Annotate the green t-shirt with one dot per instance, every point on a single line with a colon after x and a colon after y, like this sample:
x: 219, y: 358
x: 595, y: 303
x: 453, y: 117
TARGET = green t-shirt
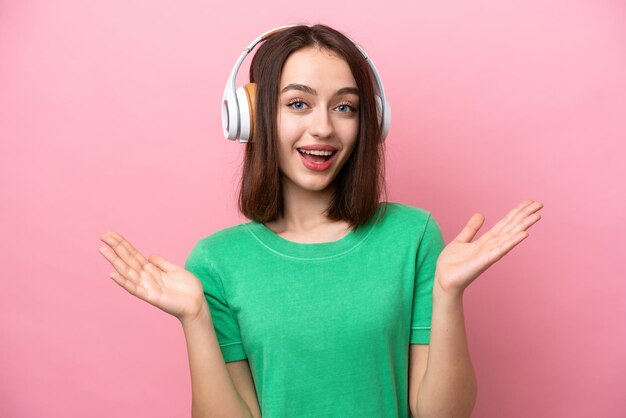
x: 325, y: 327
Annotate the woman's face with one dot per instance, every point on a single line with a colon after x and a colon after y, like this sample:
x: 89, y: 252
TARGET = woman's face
x: 317, y: 109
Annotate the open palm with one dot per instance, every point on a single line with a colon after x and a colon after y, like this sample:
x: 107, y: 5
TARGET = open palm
x: 462, y: 261
x: 157, y: 281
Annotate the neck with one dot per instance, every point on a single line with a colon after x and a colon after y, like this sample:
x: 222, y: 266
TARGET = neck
x: 304, y: 209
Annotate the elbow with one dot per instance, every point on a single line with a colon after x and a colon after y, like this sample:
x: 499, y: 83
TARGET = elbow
x: 469, y: 401
x: 461, y: 407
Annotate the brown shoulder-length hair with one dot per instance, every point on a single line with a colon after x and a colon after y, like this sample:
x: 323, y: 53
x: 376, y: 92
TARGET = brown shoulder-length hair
x: 360, y: 181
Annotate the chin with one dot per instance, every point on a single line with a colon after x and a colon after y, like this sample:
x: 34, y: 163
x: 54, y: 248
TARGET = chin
x: 313, y: 182
x: 316, y: 185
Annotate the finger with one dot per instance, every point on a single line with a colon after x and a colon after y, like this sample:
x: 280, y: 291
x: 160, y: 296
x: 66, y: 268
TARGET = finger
x: 507, y: 218
x: 526, y: 223
x: 523, y: 219
x: 527, y: 211
x: 472, y: 227
x: 124, y: 250
x: 119, y: 264
x: 162, y: 263
x: 155, y: 272
x: 505, y: 222
x: 129, y: 285
x: 508, y: 245
x: 131, y: 249
x: 127, y: 251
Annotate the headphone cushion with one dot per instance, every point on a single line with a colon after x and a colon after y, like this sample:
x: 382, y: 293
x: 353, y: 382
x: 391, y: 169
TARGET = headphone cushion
x: 250, y: 89
x: 245, y: 102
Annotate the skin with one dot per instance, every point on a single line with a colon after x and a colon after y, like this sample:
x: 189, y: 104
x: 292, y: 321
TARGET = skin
x: 443, y: 382
x: 306, y: 118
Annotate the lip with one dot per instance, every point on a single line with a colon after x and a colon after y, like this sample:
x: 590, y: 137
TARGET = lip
x: 320, y: 147
x: 317, y: 166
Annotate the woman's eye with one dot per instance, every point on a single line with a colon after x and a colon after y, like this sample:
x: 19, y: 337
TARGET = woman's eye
x: 297, y: 105
x: 301, y: 105
x: 345, y: 108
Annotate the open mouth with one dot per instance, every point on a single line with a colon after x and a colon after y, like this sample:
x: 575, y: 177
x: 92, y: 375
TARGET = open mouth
x: 317, y: 156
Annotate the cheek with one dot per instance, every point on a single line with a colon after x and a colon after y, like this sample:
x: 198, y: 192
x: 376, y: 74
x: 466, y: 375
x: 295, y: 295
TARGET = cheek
x: 349, y: 129
x: 287, y: 136
x: 289, y: 126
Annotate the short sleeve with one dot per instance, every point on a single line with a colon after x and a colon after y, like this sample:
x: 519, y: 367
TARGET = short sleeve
x: 226, y: 326
x: 428, y: 251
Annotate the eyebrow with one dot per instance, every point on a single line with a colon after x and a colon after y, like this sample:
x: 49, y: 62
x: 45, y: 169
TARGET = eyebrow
x: 307, y: 89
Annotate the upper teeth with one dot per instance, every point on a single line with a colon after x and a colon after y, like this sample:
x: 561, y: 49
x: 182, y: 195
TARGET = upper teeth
x: 317, y: 152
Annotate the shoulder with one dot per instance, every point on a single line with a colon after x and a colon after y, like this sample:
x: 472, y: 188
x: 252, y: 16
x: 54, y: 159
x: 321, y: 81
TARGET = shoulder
x: 223, y: 241
x: 226, y: 235
x: 402, y: 212
x: 404, y: 218
x: 403, y: 209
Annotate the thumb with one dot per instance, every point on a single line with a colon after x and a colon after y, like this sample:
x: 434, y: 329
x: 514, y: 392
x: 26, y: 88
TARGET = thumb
x: 472, y: 227
x: 162, y: 263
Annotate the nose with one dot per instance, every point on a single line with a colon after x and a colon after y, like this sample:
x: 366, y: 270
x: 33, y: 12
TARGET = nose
x: 321, y: 123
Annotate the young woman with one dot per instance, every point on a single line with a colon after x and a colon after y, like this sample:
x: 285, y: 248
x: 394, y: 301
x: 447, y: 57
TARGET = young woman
x: 329, y: 302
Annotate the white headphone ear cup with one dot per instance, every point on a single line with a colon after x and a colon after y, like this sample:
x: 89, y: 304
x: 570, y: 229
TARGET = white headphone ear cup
x: 244, y: 115
x: 230, y: 115
x: 225, y: 121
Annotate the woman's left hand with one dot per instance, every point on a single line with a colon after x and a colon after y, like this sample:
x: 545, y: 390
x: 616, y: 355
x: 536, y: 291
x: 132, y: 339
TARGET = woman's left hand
x: 462, y: 261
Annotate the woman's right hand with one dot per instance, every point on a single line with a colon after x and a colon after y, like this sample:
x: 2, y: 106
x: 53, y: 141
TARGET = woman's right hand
x: 157, y: 281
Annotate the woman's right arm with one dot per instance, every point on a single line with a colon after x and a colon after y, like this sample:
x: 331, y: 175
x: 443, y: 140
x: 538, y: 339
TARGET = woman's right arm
x: 178, y: 292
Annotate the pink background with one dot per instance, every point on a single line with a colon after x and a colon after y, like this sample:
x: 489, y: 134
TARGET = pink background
x: 110, y: 119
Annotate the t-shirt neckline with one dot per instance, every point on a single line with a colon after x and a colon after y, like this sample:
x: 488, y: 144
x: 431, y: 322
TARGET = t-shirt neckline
x: 311, y: 251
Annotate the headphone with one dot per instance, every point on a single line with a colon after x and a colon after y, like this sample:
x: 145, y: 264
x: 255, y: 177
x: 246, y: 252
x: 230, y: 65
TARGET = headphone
x: 238, y: 105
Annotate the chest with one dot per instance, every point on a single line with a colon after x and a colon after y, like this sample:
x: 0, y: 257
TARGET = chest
x: 321, y: 306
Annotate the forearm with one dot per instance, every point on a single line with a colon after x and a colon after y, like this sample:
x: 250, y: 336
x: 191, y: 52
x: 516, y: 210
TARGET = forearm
x: 449, y: 386
x: 213, y: 392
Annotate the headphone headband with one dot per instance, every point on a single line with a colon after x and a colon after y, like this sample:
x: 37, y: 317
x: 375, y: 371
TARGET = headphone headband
x: 238, y: 105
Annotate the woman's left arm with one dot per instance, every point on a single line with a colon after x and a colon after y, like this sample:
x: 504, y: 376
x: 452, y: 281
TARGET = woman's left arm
x: 449, y: 388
